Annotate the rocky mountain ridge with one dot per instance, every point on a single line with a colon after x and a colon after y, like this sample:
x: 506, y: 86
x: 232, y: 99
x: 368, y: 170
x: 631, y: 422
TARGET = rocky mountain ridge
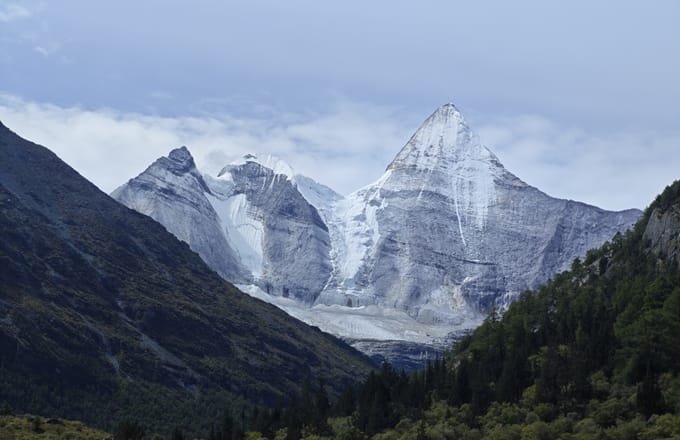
x: 444, y: 236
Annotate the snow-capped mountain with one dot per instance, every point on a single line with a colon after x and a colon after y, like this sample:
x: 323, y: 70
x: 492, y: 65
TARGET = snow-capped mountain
x: 447, y: 231
x: 250, y: 222
x: 172, y: 192
x: 443, y: 236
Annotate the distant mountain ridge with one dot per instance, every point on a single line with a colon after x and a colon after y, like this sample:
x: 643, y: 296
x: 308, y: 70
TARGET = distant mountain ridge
x: 445, y: 235
x: 106, y: 315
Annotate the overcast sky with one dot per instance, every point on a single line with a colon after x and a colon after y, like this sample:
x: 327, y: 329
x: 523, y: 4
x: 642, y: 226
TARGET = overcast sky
x: 580, y: 99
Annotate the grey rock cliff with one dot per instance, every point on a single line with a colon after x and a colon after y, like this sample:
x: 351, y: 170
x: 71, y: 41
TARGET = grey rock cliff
x: 663, y: 233
x: 172, y: 192
x: 250, y: 223
x: 267, y: 218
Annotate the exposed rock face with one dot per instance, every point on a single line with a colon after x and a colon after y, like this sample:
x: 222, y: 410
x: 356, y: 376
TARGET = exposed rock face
x: 250, y: 223
x: 172, y: 192
x: 443, y: 236
x: 403, y: 355
x: 280, y: 237
x: 663, y: 233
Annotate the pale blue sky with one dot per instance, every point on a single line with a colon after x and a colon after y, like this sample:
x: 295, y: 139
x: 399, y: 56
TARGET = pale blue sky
x: 569, y: 95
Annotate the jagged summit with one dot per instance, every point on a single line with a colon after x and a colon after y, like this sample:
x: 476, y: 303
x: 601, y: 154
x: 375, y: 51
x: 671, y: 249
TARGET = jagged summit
x: 444, y: 137
x: 444, y: 156
x: 446, y: 112
x: 178, y: 162
x: 447, y: 231
x: 182, y: 156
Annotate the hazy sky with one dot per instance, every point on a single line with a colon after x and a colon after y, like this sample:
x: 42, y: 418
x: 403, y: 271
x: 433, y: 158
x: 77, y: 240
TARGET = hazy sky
x: 580, y: 99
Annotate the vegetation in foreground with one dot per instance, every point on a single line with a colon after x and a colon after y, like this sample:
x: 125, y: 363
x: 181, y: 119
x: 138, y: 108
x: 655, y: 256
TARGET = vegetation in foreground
x: 34, y: 427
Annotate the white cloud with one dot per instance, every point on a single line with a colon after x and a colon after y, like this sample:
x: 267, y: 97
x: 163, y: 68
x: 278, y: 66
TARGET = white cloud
x: 47, y: 49
x: 616, y: 170
x: 13, y: 12
x: 42, y: 51
x: 349, y: 146
x: 345, y: 148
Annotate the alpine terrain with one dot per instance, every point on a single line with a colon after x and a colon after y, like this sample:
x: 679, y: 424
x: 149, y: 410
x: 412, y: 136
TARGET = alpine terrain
x: 105, y: 315
x: 423, y: 254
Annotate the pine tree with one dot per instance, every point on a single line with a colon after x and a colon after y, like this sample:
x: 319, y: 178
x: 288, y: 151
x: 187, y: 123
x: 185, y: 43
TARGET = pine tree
x: 346, y: 403
x: 129, y: 430
x: 177, y: 434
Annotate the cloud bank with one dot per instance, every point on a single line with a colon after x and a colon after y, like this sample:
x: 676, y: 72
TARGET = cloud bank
x: 349, y: 146
x: 345, y: 147
x: 612, y: 170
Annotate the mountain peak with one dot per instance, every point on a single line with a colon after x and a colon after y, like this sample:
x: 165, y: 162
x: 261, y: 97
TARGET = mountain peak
x: 448, y: 108
x: 443, y: 136
x: 446, y: 115
x: 5, y: 130
x: 182, y: 156
x: 179, y: 161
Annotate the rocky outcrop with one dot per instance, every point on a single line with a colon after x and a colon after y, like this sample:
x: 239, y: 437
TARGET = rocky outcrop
x: 663, y: 233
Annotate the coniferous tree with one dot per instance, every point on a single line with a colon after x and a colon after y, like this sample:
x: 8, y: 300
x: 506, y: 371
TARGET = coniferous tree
x: 177, y: 434
x: 227, y: 428
x: 129, y: 430
x: 346, y: 403
x: 649, y: 397
x: 462, y: 391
